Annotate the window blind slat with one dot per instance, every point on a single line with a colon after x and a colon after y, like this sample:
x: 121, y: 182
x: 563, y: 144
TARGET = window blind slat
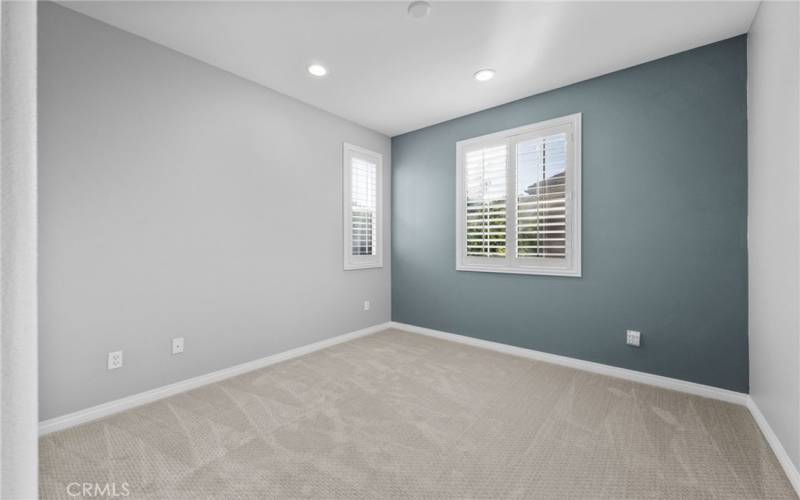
x: 541, y: 199
x: 363, y: 200
x: 485, y: 184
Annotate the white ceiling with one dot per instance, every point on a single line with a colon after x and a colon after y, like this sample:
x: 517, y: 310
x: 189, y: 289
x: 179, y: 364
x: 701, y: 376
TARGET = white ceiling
x: 393, y: 73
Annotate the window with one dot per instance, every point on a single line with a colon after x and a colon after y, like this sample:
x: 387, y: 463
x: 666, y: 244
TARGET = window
x: 363, y: 234
x: 518, y: 196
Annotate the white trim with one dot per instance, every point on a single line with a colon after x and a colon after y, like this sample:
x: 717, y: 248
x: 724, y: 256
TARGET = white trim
x: 683, y: 386
x: 571, y: 265
x: 780, y: 453
x: 18, y: 246
x: 674, y: 384
x: 116, y: 406
x: 105, y: 409
x: 352, y: 262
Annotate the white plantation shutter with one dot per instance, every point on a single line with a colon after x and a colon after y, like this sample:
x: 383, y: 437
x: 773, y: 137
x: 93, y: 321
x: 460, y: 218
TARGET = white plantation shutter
x: 364, y: 206
x: 486, y: 201
x: 541, y: 200
x: 362, y: 201
x: 518, y: 200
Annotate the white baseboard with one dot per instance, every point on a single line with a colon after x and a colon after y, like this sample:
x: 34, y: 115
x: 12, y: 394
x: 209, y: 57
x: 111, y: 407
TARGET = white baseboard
x: 589, y: 366
x: 105, y: 409
x: 780, y: 452
x: 635, y: 376
x: 116, y: 406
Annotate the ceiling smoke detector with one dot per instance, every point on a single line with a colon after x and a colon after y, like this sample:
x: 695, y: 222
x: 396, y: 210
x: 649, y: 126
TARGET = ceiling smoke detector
x: 419, y: 9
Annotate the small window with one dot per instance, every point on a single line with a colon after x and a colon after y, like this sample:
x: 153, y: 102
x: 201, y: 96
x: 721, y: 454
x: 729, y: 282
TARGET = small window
x: 518, y: 196
x: 363, y: 232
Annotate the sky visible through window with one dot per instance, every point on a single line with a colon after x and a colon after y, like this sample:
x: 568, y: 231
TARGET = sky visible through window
x: 540, y: 159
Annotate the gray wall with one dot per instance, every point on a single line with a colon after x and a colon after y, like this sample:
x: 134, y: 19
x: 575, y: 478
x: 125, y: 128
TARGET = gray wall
x: 179, y: 200
x: 773, y: 54
x: 664, y: 225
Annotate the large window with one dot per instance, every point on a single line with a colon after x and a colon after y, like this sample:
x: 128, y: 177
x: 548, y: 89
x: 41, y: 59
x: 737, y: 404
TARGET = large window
x: 363, y: 238
x: 518, y: 195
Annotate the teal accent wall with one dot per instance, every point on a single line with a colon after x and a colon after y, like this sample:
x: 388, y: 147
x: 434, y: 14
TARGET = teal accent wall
x: 664, y: 224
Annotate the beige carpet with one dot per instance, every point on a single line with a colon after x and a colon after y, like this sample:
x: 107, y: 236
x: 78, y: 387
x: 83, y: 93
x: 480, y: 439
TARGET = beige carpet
x: 400, y: 415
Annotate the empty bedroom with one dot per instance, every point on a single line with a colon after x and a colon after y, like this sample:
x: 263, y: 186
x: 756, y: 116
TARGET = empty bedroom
x: 400, y: 249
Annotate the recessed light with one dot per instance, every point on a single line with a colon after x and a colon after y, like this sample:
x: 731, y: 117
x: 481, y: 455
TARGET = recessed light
x: 484, y: 75
x: 419, y: 9
x: 317, y: 70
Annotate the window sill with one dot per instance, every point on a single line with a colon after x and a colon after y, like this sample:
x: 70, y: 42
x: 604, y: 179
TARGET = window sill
x: 535, y: 271
x: 364, y: 265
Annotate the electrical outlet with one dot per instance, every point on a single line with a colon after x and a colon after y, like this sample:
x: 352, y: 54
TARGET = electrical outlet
x: 633, y: 338
x: 177, y: 345
x: 114, y: 360
x: 366, y: 305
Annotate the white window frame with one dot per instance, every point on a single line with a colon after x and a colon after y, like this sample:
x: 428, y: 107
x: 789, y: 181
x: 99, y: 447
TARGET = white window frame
x: 568, y: 266
x: 361, y: 261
